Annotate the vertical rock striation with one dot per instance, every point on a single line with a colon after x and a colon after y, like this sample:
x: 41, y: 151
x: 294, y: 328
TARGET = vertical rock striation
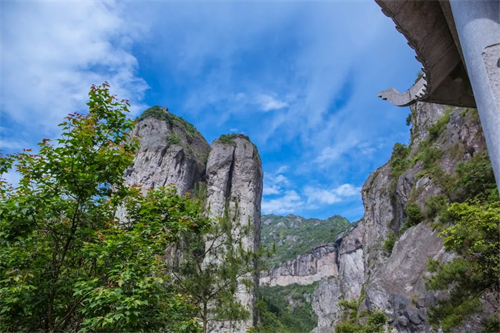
x: 346, y: 285
x: 234, y: 180
x: 394, y: 282
x: 173, y: 152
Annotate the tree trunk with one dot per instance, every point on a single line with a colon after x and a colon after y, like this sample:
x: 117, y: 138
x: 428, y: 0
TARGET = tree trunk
x: 205, y: 322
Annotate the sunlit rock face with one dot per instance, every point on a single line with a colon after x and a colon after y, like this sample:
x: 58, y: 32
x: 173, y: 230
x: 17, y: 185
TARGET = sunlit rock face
x: 234, y: 180
x: 395, y: 282
x: 319, y: 263
x: 346, y: 284
x: 173, y: 152
x: 168, y: 155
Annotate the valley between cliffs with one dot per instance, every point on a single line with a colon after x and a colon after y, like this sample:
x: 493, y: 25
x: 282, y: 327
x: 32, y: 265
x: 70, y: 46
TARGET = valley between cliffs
x: 381, y: 261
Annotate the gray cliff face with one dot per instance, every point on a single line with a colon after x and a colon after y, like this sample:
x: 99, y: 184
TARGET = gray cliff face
x: 346, y: 285
x: 398, y: 286
x: 395, y: 282
x: 167, y: 155
x: 319, y: 263
x: 234, y: 177
x: 234, y: 180
x: 173, y: 152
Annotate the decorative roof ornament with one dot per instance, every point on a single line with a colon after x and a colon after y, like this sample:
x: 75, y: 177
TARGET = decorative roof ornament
x: 458, y: 44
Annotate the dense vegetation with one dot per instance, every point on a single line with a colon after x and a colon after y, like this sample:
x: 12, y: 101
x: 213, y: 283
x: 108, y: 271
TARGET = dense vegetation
x: 228, y: 139
x: 163, y: 114
x: 286, y: 309
x: 294, y: 235
x: 355, y: 322
x: 80, y: 251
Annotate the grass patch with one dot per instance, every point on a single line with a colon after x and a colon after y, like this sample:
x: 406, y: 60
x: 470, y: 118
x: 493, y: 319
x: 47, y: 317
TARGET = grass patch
x: 434, y: 205
x: 173, y: 139
x: 399, y: 161
x: 428, y: 154
x: 436, y: 129
x: 160, y: 114
x: 389, y: 243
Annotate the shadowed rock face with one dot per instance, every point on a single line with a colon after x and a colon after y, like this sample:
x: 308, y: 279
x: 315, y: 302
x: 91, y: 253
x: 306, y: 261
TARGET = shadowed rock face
x: 395, y: 282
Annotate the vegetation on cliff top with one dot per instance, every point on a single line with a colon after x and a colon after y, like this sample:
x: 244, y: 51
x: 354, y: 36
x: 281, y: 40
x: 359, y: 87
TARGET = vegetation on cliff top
x: 228, y: 139
x: 165, y: 115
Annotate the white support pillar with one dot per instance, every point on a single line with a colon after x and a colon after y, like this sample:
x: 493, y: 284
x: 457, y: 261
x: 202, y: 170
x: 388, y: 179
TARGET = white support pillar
x: 478, y: 28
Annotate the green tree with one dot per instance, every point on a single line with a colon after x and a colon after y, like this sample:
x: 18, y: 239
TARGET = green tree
x: 66, y: 262
x: 215, y: 266
x: 475, y: 271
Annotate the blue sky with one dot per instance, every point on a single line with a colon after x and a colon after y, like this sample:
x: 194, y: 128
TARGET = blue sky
x: 299, y: 78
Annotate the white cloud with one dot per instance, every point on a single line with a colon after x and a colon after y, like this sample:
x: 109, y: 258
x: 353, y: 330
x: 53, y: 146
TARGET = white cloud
x: 13, y: 144
x: 332, y: 196
x: 282, y: 169
x: 275, y: 183
x: 269, y: 102
x: 52, y: 52
x: 270, y: 190
x: 286, y: 204
x: 347, y: 190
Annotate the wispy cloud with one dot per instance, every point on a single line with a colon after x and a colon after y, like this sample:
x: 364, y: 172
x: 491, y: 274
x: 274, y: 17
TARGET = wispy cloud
x: 274, y: 183
x: 270, y: 102
x: 290, y: 202
x: 52, y: 52
x: 13, y: 144
x: 332, y: 196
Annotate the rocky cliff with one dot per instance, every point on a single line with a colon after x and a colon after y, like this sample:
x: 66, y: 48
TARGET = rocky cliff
x: 234, y: 182
x: 312, y: 270
x: 307, y: 268
x: 386, y: 269
x: 173, y: 152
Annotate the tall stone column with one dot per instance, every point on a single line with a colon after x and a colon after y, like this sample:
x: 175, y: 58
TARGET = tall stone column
x: 234, y: 180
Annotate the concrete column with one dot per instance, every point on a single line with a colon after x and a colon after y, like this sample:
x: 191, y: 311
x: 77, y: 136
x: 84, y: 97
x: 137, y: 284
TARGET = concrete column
x: 478, y: 27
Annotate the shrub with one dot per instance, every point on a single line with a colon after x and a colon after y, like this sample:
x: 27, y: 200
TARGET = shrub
x: 413, y: 214
x: 390, y: 242
x: 428, y: 154
x: 434, y: 205
x: 474, y: 271
x: 399, y: 161
x: 476, y: 178
x: 436, y: 129
x: 173, y: 139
